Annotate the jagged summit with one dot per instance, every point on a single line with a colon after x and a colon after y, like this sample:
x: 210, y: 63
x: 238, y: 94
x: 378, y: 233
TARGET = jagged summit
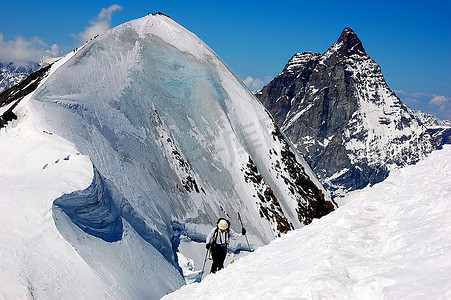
x: 348, y: 44
x: 339, y: 111
x: 351, y: 42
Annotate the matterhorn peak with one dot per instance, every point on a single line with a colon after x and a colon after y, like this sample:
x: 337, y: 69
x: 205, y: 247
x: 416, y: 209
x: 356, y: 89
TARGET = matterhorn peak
x: 338, y: 110
x: 348, y: 43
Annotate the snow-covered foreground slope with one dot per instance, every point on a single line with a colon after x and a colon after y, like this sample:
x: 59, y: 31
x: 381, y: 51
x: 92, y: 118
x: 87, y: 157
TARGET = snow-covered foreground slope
x: 31, y: 164
x: 393, y: 241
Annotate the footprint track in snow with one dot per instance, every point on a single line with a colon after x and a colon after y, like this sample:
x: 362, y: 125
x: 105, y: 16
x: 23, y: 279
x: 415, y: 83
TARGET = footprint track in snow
x: 66, y: 158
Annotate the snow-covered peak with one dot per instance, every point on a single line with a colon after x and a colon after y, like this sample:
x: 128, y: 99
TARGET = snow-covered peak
x: 176, y: 141
x: 440, y: 130
x: 10, y: 74
x: 391, y: 242
x: 347, y: 46
x: 160, y: 25
x: 340, y: 112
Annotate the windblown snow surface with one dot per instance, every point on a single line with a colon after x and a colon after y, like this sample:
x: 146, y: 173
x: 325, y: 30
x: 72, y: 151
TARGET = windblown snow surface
x: 390, y: 241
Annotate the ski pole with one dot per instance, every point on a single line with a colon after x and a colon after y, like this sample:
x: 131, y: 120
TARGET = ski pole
x: 203, y: 267
x: 224, y: 211
x: 239, y: 218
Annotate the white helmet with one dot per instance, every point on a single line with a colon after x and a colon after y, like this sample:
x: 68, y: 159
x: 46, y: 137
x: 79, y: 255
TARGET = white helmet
x: 223, y: 224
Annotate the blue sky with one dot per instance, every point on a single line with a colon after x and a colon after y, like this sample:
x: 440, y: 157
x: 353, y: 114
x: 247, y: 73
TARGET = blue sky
x: 411, y: 40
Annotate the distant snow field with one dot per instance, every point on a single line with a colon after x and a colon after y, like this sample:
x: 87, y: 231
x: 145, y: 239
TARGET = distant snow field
x: 391, y: 241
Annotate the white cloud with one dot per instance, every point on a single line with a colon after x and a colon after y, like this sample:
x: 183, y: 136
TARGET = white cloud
x: 100, y: 24
x: 22, y: 51
x: 443, y: 105
x: 256, y: 84
x: 105, y: 13
x: 55, y: 50
x: 253, y: 84
x: 438, y: 105
x: 439, y: 100
x: 411, y: 94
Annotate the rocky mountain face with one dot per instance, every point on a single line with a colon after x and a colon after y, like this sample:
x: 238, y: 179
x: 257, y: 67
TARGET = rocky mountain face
x: 10, y: 74
x: 338, y: 110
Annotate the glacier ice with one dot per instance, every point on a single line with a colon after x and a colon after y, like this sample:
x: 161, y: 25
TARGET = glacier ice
x: 93, y: 210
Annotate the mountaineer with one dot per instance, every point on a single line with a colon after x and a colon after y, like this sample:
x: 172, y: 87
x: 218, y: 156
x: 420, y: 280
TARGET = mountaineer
x: 218, y: 240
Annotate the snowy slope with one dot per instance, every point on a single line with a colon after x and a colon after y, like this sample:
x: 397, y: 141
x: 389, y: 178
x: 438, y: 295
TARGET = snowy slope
x: 391, y: 242
x: 142, y: 135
